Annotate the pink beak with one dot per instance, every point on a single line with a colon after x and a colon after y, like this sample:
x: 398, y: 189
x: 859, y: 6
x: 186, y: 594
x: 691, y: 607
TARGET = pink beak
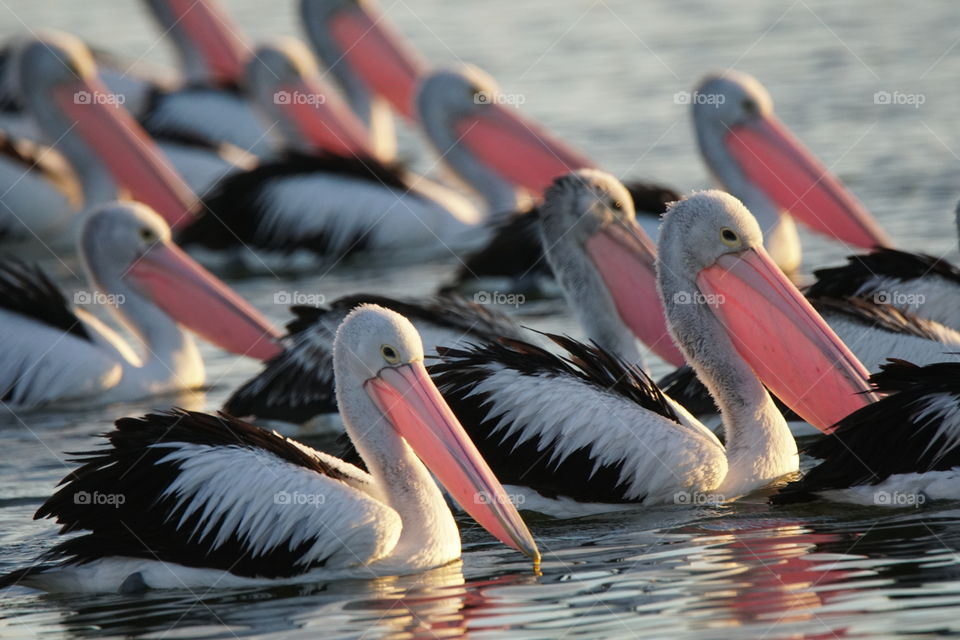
x: 626, y: 258
x: 410, y: 401
x: 215, y: 35
x: 379, y: 55
x: 131, y: 156
x: 520, y: 151
x: 324, y: 119
x: 780, y: 166
x: 199, y: 301
x: 789, y: 346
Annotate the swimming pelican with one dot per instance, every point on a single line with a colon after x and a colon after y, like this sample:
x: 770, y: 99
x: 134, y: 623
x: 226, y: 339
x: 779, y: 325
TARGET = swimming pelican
x: 757, y: 159
x: 213, y: 501
x: 52, y: 351
x: 587, y: 432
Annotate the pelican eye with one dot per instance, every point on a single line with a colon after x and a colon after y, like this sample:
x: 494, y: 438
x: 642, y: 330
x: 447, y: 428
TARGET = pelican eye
x: 389, y: 354
x: 147, y: 234
x: 617, y: 205
x: 749, y: 106
x: 729, y: 237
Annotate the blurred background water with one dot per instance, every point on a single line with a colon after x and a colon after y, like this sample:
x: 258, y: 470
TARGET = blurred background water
x: 604, y: 76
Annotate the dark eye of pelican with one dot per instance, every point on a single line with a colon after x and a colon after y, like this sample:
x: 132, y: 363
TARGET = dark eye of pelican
x: 147, y: 235
x: 389, y: 354
x: 617, y: 205
x: 749, y: 106
x: 729, y: 237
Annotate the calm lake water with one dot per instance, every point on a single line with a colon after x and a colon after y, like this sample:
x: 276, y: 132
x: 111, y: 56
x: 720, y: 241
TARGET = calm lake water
x: 604, y: 76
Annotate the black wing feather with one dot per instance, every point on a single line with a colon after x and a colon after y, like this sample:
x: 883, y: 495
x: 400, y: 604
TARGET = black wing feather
x: 578, y: 476
x: 232, y: 209
x: 26, y: 290
x: 872, y: 314
x: 894, y: 435
x: 145, y: 525
x: 848, y: 279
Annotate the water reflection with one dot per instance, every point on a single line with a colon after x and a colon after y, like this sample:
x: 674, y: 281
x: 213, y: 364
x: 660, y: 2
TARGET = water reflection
x: 709, y: 573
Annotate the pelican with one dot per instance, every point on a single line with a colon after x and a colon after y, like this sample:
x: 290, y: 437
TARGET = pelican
x: 758, y: 160
x: 213, y: 501
x: 901, y: 451
x: 77, y: 114
x: 586, y: 432
x: 53, y: 353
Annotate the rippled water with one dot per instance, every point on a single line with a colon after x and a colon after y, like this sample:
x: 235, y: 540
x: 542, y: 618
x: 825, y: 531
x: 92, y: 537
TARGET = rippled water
x: 603, y: 75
